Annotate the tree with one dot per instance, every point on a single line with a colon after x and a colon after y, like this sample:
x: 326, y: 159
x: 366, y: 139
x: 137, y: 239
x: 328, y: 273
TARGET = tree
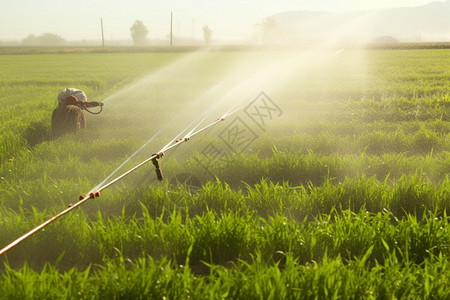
x: 207, y: 33
x: 45, y: 39
x: 30, y: 40
x: 139, y: 33
x: 51, y: 39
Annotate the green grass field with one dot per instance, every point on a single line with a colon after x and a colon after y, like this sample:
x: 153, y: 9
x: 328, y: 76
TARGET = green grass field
x: 341, y: 193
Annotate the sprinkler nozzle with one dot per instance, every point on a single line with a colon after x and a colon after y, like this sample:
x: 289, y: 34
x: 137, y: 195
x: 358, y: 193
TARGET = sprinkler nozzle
x: 94, y: 195
x: 91, y: 195
x: 185, y: 139
x: 158, y: 155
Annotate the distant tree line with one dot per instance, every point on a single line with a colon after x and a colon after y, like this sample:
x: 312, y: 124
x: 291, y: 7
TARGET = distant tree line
x: 45, y: 39
x: 139, y: 33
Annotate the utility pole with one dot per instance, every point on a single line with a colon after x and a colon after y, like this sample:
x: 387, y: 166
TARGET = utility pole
x: 171, y: 21
x: 103, y: 37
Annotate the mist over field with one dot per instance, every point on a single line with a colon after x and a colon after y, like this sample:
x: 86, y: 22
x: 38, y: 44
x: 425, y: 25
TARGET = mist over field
x: 288, y: 150
x: 427, y: 23
x: 234, y: 22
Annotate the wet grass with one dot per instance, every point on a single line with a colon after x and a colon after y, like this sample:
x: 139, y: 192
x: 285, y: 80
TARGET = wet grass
x: 377, y: 254
x: 345, y: 196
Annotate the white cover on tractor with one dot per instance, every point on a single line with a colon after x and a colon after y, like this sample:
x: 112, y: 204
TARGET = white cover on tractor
x: 79, y: 94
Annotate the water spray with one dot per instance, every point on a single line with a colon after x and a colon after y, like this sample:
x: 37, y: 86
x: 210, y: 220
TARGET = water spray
x: 256, y: 80
x: 97, y: 192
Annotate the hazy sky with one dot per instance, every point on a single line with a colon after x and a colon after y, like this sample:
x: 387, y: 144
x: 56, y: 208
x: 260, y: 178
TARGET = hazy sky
x: 229, y: 19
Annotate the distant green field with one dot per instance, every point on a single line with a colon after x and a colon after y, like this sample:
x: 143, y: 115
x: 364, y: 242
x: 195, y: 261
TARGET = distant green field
x: 342, y: 192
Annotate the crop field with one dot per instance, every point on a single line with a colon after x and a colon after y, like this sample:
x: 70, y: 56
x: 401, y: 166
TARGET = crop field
x: 328, y: 178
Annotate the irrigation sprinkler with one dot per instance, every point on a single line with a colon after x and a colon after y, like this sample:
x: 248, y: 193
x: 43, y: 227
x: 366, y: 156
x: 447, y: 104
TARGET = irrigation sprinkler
x: 155, y: 162
x: 154, y: 158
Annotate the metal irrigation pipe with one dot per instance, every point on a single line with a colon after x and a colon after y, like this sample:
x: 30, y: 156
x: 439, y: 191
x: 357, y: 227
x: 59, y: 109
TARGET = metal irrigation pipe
x: 96, y: 193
